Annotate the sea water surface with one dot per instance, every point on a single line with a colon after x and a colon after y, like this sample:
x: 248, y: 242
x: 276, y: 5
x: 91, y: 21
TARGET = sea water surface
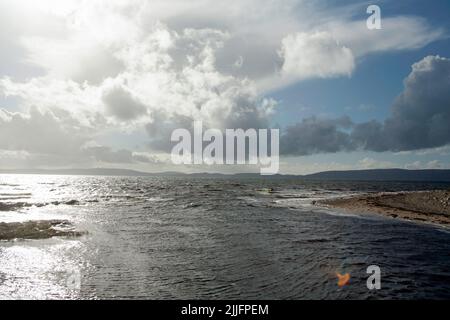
x: 213, y: 238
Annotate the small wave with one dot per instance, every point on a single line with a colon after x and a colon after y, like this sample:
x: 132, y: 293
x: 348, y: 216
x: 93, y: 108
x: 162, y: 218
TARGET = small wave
x: 13, y: 206
x: 9, y: 185
x: 266, y: 190
x: 12, y: 198
x: 313, y: 240
x: 72, y: 202
x: 336, y: 213
x: 255, y: 202
x: 295, y: 203
x: 158, y: 199
x: 192, y: 205
x: 306, y: 200
x: 291, y: 196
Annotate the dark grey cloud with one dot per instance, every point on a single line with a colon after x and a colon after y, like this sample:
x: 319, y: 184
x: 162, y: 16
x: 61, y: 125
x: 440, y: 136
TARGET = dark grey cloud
x: 57, y: 138
x: 420, y: 116
x: 42, y: 132
x: 121, y: 104
x: 370, y: 136
x: 314, y: 135
x: 161, y: 128
x: 419, y: 119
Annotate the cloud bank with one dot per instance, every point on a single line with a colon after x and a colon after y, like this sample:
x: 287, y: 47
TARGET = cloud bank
x: 419, y: 119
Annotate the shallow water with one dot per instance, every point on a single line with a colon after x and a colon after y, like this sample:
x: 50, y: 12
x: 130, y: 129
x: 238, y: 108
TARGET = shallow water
x: 192, y: 238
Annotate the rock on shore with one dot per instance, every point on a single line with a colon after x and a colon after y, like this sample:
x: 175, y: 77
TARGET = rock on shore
x: 41, y: 229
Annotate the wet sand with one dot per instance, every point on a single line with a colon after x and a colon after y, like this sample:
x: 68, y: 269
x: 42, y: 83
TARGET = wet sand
x: 41, y: 229
x: 425, y: 206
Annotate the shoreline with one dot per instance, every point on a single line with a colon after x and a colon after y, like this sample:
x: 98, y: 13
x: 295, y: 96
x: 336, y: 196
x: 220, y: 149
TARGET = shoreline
x: 418, y: 206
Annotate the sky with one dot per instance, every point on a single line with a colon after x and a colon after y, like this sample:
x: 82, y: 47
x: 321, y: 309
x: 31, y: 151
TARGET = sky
x: 103, y: 83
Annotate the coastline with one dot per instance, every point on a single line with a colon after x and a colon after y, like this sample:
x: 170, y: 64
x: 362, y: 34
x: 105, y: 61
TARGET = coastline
x: 418, y: 206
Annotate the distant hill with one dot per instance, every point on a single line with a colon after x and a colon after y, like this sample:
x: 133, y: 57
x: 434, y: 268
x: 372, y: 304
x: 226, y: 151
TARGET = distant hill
x: 351, y: 175
x: 383, y: 175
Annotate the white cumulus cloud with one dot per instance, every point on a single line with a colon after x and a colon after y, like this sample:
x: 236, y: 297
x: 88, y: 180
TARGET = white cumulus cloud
x: 315, y: 55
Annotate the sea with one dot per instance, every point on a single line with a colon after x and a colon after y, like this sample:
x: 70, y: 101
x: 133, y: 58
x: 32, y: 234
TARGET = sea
x: 183, y: 237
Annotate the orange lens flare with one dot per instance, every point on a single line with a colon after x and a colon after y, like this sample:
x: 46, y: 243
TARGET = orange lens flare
x: 343, y: 279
